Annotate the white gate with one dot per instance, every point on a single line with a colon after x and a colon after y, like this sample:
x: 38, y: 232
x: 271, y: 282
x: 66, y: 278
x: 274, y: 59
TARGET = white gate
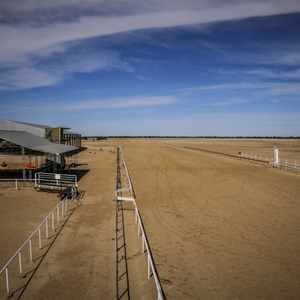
x: 54, y: 181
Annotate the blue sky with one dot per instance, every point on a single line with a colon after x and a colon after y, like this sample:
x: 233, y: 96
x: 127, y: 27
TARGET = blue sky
x: 152, y: 67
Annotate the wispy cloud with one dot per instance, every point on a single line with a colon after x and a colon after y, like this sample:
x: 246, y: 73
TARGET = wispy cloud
x: 101, y: 104
x: 42, y: 37
x: 23, y: 78
x: 232, y: 94
x: 289, y: 57
x: 271, y: 73
x: 229, y: 102
x: 32, y: 72
x: 119, y: 103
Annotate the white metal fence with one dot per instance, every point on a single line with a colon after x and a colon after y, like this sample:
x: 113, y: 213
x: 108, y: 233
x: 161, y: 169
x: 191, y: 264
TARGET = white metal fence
x: 54, y: 181
x: 16, y: 184
x: 283, y: 165
x: 42, y: 232
x: 288, y: 166
x: 141, y: 229
x: 253, y: 158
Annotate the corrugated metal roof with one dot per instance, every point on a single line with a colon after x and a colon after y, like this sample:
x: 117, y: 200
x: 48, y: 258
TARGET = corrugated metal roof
x: 33, y: 142
x: 31, y: 124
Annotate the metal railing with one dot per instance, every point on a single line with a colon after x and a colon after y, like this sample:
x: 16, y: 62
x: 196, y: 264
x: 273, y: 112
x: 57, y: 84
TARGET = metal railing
x: 48, y: 225
x: 288, y: 166
x: 141, y: 229
x: 258, y: 159
x: 16, y: 184
x: 54, y: 181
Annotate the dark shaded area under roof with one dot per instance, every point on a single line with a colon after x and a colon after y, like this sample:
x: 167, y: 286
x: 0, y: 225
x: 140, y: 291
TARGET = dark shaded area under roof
x: 33, y: 142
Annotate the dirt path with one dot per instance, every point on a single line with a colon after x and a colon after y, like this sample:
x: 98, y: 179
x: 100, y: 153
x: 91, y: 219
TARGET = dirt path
x: 219, y: 229
x: 81, y: 263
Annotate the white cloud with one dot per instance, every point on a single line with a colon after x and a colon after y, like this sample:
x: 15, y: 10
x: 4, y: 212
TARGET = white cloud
x: 26, y: 42
x: 25, y: 39
x: 229, y: 102
x: 100, y: 105
x: 271, y: 73
x: 86, y: 62
x: 119, y: 103
x: 28, y: 73
x: 24, y: 78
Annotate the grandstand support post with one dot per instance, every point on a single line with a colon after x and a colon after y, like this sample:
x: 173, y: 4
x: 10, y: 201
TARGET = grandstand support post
x: 23, y: 162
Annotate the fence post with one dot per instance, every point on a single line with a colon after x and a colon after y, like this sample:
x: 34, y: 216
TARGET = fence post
x: 57, y: 210
x: 40, y: 239
x: 30, y: 250
x: 149, y: 273
x: 20, y: 262
x: 53, y: 229
x: 47, y: 234
x: 7, y: 280
x: 62, y: 207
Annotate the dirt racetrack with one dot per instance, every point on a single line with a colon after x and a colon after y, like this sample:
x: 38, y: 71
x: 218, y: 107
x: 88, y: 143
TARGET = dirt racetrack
x: 218, y: 228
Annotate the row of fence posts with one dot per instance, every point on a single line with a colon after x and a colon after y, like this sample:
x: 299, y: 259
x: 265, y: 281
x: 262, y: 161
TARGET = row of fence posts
x: 49, y: 223
x: 291, y: 167
x: 284, y: 165
x: 141, y: 230
x: 16, y: 184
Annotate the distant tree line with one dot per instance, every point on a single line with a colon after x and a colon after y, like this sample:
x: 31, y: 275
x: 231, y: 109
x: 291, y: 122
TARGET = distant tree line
x: 189, y: 137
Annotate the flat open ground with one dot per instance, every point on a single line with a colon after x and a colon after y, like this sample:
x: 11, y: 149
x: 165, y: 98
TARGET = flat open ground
x: 218, y: 228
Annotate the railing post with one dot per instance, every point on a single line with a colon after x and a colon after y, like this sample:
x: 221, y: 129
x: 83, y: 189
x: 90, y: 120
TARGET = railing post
x: 57, y: 210
x: 30, y: 250
x: 47, y: 233
x: 149, y: 273
x: 16, y: 184
x: 20, y: 263
x: 53, y: 228
x: 62, y: 207
x: 40, y: 239
x: 7, y: 280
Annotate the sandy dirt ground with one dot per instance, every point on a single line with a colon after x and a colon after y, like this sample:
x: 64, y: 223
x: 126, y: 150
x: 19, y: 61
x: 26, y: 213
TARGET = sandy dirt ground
x: 218, y: 228
x: 81, y: 262
x: 289, y: 149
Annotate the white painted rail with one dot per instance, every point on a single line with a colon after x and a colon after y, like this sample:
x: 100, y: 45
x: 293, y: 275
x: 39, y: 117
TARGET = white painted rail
x: 250, y: 157
x: 141, y: 230
x: 50, y: 223
x: 54, y: 181
x: 16, y: 184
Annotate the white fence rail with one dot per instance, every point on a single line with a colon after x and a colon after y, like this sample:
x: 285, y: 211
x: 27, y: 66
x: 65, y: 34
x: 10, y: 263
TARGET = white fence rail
x: 16, y: 184
x: 48, y: 226
x: 141, y: 229
x: 288, y: 166
x: 54, y: 181
x: 283, y: 165
x: 253, y: 158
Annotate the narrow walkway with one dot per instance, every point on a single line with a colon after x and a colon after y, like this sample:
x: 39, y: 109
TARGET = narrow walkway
x: 81, y: 263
